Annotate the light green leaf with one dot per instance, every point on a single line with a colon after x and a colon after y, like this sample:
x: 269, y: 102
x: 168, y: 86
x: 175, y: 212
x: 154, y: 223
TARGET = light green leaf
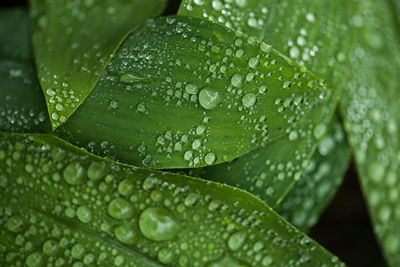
x: 309, y: 32
x: 184, y: 92
x: 371, y: 113
x: 22, y: 105
x: 74, y: 40
x: 60, y: 204
x: 319, y: 182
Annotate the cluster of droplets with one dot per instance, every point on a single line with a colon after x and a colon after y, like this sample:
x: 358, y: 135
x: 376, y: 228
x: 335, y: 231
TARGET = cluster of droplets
x: 314, y: 189
x: 176, y: 81
x: 63, y: 208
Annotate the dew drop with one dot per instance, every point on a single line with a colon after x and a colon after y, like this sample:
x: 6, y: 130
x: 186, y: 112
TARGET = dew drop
x: 120, y: 209
x: 236, y: 80
x: 158, y: 224
x: 210, y: 158
x: 84, y: 214
x: 74, y: 173
x: 209, y: 98
x: 96, y: 170
x: 126, y: 234
x: 236, y: 240
x: 249, y: 100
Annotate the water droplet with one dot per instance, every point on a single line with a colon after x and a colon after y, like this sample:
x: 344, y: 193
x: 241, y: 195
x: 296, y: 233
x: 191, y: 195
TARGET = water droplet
x: 96, y: 170
x: 126, y: 234
x: 376, y: 171
x: 319, y: 130
x: 84, y: 214
x: 294, y: 52
x: 126, y: 187
x: 188, y: 155
x: 293, y: 135
x: 210, y: 158
x: 35, y: 260
x: 236, y: 80
x: 209, y: 98
x: 236, y: 240
x: 120, y: 209
x: 241, y: 3
x: 78, y: 251
x: 226, y: 261
x: 191, y: 89
x: 158, y: 224
x: 196, y: 144
x: 253, y: 62
x: 74, y: 173
x: 249, y: 100
x: 165, y: 255
x: 50, y: 247
x: 14, y: 224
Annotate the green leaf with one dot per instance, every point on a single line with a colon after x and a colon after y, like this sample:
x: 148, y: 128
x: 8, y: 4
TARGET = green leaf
x: 22, y: 105
x: 14, y: 35
x: 270, y: 172
x: 73, y: 42
x: 184, y: 92
x: 307, y: 31
x: 319, y: 182
x: 370, y: 108
x: 61, y: 205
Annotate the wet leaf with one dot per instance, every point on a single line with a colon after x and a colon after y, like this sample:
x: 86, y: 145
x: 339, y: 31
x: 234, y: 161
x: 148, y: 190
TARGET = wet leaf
x: 270, y: 172
x: 184, y: 92
x: 74, y: 40
x: 22, y: 105
x: 308, y: 32
x: 61, y: 205
x: 310, y: 195
x: 370, y: 108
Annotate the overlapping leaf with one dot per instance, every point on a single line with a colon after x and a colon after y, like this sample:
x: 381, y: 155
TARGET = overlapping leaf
x: 370, y: 108
x: 319, y: 182
x: 22, y: 105
x: 73, y: 42
x: 63, y: 206
x: 309, y: 32
x: 184, y: 92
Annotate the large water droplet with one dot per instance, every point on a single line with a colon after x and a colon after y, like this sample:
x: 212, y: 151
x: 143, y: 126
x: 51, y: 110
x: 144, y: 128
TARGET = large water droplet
x: 74, y: 173
x: 126, y: 234
x: 249, y: 100
x: 236, y: 240
x: 120, y: 209
x: 158, y: 224
x: 209, y: 98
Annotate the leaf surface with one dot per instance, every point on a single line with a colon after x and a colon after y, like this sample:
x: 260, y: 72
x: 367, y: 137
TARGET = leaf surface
x: 74, y: 40
x: 185, y: 92
x: 320, y: 180
x: 60, y: 204
x: 370, y: 109
x: 22, y: 105
x: 307, y: 31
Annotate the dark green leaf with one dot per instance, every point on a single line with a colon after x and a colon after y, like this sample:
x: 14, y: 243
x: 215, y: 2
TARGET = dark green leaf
x: 184, y: 92
x: 74, y: 40
x: 61, y: 205
x: 371, y: 111
x: 22, y: 105
x: 319, y: 182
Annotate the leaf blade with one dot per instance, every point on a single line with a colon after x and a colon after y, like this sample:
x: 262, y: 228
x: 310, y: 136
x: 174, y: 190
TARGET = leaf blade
x: 28, y: 179
x: 164, y: 120
x: 74, y: 41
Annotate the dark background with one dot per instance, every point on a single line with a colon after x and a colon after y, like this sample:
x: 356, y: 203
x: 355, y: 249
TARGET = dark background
x: 344, y: 228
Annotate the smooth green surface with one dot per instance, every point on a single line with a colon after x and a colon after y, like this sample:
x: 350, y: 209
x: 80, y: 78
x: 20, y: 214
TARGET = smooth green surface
x: 310, y: 33
x: 371, y: 111
x: 319, y: 182
x: 187, y: 97
x: 173, y: 220
x: 22, y: 104
x: 73, y: 42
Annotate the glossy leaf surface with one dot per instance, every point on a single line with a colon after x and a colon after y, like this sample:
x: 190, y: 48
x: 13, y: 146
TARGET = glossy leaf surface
x: 61, y: 205
x: 74, y: 40
x: 184, y: 92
